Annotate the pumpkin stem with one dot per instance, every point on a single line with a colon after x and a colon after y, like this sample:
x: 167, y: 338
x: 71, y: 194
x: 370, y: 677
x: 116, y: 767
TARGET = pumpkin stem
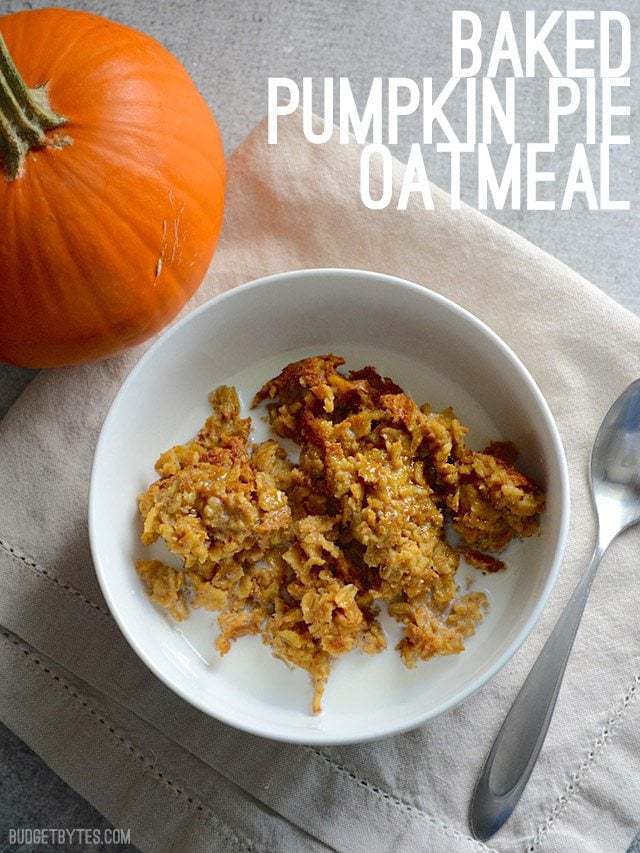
x: 25, y: 116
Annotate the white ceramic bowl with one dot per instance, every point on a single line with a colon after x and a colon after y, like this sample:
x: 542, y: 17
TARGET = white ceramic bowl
x: 437, y: 352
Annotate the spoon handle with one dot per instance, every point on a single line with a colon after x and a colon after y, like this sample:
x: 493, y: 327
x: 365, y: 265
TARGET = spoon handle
x: 519, y: 741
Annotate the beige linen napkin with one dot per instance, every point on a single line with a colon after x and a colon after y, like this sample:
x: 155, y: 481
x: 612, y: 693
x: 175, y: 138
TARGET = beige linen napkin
x: 72, y: 688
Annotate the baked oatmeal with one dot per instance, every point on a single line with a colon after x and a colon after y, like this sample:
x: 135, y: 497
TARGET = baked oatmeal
x: 307, y: 554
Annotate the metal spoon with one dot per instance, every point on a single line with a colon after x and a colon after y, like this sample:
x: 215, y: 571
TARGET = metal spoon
x: 615, y: 489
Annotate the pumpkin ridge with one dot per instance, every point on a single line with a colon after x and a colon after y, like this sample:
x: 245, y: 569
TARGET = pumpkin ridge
x: 170, y: 280
x: 202, y: 200
x: 61, y: 56
x: 9, y: 226
x: 100, y: 194
x: 135, y: 131
x: 54, y: 218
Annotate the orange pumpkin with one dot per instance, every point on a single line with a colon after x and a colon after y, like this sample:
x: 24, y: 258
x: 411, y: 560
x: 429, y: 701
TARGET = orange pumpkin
x: 111, y: 187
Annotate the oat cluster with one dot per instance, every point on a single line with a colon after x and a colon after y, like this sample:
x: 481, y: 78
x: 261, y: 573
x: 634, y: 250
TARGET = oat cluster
x: 306, y: 554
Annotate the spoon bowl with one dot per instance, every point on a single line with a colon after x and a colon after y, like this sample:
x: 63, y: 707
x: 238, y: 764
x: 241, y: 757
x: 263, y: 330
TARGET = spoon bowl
x: 615, y: 464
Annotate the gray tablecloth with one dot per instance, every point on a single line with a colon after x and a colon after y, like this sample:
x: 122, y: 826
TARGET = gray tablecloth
x: 71, y: 687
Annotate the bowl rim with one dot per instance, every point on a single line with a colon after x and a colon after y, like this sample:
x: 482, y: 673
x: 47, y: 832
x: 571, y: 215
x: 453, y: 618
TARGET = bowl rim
x: 387, y: 729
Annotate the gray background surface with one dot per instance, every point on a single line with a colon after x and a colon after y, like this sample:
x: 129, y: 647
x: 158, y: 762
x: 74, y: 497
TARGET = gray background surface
x: 231, y: 47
